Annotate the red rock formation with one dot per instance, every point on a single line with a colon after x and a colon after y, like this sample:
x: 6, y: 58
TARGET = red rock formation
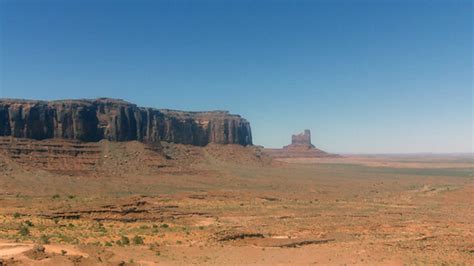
x: 300, y: 147
x: 302, y: 140
x: 117, y: 120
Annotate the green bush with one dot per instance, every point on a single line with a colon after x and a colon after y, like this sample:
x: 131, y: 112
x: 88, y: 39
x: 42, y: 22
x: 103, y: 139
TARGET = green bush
x: 24, y: 231
x: 125, y: 240
x: 137, y: 240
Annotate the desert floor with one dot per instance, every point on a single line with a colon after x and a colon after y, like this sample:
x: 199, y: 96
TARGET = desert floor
x: 378, y: 210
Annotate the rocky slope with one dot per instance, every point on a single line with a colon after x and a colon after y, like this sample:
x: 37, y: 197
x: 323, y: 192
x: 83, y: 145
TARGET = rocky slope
x: 117, y: 120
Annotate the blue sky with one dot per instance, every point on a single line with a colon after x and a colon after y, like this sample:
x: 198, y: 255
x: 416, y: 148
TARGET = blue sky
x: 364, y: 76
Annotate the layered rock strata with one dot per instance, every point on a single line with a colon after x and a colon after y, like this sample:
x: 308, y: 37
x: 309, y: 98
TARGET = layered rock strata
x: 117, y: 120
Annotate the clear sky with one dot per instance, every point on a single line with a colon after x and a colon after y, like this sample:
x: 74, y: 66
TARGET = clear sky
x: 364, y: 76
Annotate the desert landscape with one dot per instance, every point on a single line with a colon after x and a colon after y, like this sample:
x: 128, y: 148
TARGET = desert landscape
x: 104, y: 182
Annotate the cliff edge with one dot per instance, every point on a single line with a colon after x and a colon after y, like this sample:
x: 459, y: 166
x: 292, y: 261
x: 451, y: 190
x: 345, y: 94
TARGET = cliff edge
x: 117, y: 120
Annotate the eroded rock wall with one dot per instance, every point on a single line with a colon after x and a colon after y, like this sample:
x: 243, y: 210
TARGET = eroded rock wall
x: 116, y: 120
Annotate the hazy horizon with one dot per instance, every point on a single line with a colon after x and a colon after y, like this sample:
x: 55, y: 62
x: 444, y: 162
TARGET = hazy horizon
x: 365, y: 77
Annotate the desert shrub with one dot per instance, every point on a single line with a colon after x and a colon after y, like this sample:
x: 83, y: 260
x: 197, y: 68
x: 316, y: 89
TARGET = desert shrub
x: 28, y: 223
x: 125, y: 240
x: 55, y: 196
x: 24, y: 231
x: 66, y: 238
x: 165, y: 226
x: 101, y: 228
x: 44, y: 239
x: 16, y: 215
x: 96, y: 243
x: 137, y: 240
x: 108, y: 244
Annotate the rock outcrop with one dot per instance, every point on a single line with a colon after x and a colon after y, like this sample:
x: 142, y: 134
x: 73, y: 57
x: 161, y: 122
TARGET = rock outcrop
x: 302, y: 140
x: 117, y: 120
x: 300, y: 147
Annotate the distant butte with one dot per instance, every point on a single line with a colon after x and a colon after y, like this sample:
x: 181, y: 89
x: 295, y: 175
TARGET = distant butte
x: 300, y: 147
x: 301, y: 141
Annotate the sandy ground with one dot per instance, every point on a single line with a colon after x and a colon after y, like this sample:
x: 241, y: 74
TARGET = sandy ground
x: 230, y: 210
x: 400, y: 161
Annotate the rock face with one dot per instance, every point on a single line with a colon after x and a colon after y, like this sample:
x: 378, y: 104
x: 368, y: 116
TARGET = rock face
x: 302, y: 140
x: 300, y: 147
x: 117, y: 120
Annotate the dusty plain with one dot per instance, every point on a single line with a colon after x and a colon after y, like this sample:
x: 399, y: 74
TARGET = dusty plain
x: 127, y: 204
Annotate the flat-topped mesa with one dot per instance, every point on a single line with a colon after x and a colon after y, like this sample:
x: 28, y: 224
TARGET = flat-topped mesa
x: 118, y: 120
x: 302, y: 140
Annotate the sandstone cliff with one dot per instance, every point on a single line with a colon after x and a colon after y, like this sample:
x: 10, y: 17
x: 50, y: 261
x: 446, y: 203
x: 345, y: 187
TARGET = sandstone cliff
x: 117, y: 120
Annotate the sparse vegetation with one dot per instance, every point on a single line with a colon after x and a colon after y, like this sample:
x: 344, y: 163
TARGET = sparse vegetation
x: 24, y: 231
x: 310, y: 198
x: 137, y: 240
x: 124, y: 241
x: 28, y: 223
x: 44, y: 239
